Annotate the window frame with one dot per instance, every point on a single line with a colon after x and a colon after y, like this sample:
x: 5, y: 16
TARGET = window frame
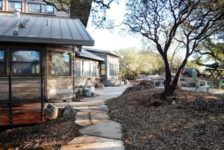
x: 14, y: 1
x: 51, y: 64
x: 46, y: 12
x: 3, y: 62
x: 25, y: 62
x: 32, y: 3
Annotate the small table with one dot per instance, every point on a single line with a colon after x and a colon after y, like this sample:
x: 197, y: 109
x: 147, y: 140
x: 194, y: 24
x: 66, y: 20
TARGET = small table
x: 215, y: 73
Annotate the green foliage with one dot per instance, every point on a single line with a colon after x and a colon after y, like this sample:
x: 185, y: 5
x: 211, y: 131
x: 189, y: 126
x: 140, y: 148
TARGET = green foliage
x: 134, y: 62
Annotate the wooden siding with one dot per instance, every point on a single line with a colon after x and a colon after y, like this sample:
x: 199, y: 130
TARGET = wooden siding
x: 21, y: 114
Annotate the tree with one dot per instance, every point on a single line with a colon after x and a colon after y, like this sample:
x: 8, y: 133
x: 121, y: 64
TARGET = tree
x: 135, y: 62
x: 81, y: 9
x: 209, y: 51
x: 163, y: 22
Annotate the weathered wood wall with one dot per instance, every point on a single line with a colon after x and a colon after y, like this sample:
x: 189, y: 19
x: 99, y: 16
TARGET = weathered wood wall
x: 59, y: 88
x: 21, y: 114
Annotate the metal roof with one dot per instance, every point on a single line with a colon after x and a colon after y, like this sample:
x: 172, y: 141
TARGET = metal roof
x: 41, y: 29
x: 89, y: 55
x: 102, y: 51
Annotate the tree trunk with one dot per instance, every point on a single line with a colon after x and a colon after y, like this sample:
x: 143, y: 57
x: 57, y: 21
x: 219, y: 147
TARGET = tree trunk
x: 170, y: 86
x: 81, y: 9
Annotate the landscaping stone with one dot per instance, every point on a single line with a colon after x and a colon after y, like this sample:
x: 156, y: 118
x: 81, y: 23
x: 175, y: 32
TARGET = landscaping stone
x: 107, y: 129
x: 51, y: 112
x: 94, y: 143
x: 83, y: 119
x: 68, y: 112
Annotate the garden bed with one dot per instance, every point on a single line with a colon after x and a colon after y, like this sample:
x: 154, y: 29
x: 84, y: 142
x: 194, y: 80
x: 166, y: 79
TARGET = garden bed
x: 187, y: 120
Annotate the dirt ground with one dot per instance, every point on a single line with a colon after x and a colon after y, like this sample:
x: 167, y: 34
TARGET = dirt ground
x: 47, y: 136
x: 186, y: 120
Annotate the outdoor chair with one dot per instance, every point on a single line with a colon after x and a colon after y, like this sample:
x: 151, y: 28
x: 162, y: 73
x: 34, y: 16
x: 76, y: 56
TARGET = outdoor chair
x: 221, y: 83
x: 201, y: 84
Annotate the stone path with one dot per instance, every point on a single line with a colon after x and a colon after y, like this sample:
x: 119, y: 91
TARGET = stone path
x: 98, y: 131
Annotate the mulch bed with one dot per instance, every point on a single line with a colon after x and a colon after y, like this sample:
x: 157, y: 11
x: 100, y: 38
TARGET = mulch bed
x: 47, y: 136
x: 187, y: 120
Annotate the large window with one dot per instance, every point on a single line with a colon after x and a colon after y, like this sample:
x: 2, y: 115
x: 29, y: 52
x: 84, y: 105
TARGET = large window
x: 34, y: 8
x: 47, y: 9
x: 113, y: 69
x: 86, y: 68
x: 13, y: 5
x: 60, y: 64
x: 26, y: 62
x: 2, y: 62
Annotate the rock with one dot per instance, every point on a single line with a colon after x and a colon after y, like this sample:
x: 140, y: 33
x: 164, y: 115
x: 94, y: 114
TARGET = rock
x: 51, y: 112
x: 83, y: 119
x: 68, y: 112
x: 93, y: 143
x: 107, y: 129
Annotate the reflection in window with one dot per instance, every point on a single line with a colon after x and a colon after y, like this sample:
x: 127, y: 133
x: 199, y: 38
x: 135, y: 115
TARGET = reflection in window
x: 47, y: 9
x: 15, y: 5
x: 103, y: 69
x: 86, y: 68
x: 113, y: 69
x: 60, y: 64
x: 26, y: 62
x: 34, y: 8
x: 2, y: 62
x: 0, y: 4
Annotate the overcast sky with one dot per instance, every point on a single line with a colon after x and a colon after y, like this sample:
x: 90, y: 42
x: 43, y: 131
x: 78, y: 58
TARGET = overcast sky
x: 114, y: 39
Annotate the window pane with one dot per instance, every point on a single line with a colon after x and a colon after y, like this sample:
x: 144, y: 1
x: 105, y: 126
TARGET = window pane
x: 26, y: 56
x: 86, y: 68
x: 2, y: 68
x: 34, y: 8
x: 2, y: 56
x: 15, y: 5
x: 26, y: 68
x: 61, y: 64
x: 78, y: 64
x: 48, y: 9
x: 0, y: 5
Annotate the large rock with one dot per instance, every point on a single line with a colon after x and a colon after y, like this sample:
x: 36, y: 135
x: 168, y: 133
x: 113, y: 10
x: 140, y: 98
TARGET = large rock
x: 51, y: 112
x: 107, y: 129
x: 93, y: 143
x: 68, y: 112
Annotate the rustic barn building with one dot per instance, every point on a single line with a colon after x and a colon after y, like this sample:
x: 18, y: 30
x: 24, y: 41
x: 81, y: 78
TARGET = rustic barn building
x: 37, y: 63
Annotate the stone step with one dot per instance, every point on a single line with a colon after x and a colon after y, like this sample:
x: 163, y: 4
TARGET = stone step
x: 93, y: 143
x: 107, y: 129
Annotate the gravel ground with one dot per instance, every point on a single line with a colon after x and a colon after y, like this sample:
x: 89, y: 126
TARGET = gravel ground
x: 185, y: 121
x: 47, y: 136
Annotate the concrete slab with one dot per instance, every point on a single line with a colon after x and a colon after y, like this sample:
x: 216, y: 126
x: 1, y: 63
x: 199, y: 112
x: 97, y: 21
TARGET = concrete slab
x: 79, y: 104
x: 107, y: 129
x: 93, y: 143
x: 83, y: 119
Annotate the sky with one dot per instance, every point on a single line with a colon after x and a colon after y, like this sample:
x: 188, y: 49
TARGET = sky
x: 115, y: 39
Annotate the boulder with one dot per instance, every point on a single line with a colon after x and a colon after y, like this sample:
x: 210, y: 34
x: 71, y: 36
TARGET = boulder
x: 51, y: 112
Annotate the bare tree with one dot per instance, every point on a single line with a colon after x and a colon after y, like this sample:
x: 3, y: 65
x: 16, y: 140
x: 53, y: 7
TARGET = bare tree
x: 81, y: 9
x: 164, y: 21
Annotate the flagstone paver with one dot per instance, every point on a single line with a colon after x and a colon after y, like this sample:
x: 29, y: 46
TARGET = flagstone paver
x: 98, y: 131
x: 107, y: 129
x: 94, y: 143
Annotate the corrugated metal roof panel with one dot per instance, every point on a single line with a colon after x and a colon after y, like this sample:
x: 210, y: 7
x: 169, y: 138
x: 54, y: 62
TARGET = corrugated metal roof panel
x: 90, y: 55
x: 45, y: 30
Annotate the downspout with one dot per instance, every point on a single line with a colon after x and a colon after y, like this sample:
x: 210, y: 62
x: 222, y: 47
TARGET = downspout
x: 73, y: 73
